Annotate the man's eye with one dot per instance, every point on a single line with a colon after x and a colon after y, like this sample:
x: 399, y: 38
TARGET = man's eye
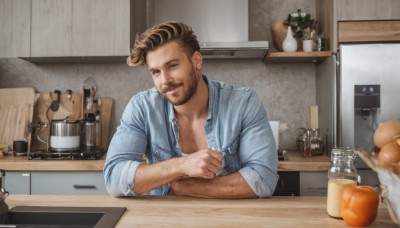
x: 155, y: 73
x: 173, y: 65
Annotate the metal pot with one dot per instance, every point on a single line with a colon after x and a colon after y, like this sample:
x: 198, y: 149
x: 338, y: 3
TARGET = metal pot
x: 64, y: 135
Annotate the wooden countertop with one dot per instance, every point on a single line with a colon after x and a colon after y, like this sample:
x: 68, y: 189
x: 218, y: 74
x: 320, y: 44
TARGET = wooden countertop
x: 21, y: 163
x: 174, y: 211
x: 294, y: 162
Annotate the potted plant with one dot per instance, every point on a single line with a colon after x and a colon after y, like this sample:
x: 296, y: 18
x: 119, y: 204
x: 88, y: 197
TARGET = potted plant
x: 304, y: 28
x: 302, y: 25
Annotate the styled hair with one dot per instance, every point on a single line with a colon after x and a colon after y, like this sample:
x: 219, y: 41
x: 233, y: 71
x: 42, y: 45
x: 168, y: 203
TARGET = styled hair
x: 159, y: 35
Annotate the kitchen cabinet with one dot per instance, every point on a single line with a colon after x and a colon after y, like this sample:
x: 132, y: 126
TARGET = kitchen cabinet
x: 288, y: 184
x: 18, y: 183
x: 363, y: 10
x: 367, y: 10
x: 67, y: 183
x: 55, y: 183
x: 15, y: 28
x: 313, y: 183
x: 90, y: 28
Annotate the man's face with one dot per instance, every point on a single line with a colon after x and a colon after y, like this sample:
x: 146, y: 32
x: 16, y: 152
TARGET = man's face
x: 174, y: 74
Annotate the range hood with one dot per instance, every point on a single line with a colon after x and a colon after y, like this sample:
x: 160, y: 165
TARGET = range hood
x: 222, y: 27
x: 234, y: 50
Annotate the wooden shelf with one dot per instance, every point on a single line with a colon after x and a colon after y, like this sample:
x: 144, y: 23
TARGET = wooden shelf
x: 297, y: 57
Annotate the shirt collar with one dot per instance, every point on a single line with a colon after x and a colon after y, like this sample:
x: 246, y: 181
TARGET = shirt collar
x: 211, y: 94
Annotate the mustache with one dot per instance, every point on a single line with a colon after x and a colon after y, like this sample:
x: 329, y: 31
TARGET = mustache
x: 170, y: 86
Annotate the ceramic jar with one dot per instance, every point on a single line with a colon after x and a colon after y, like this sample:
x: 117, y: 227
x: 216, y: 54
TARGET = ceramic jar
x: 289, y: 43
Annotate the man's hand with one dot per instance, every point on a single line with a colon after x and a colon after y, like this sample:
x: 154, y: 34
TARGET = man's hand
x: 204, y: 164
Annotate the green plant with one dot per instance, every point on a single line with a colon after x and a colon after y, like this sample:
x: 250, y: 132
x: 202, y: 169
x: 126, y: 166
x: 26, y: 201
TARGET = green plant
x: 302, y: 24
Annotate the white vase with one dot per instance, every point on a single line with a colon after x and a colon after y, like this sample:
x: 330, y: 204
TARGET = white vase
x: 289, y: 43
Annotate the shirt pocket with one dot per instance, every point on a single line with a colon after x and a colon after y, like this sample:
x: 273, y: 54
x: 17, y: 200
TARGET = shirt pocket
x: 161, y: 153
x: 231, y: 158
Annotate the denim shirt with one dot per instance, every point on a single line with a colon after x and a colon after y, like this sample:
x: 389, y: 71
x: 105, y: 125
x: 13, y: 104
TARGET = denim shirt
x: 237, y: 126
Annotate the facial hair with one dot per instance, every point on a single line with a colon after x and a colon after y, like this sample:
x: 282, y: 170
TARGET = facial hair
x: 192, y: 82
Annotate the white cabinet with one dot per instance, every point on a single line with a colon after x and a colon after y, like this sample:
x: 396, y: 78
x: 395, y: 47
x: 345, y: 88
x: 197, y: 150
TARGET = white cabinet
x: 18, y: 183
x: 67, y: 183
x: 15, y: 28
x: 55, y: 183
x: 313, y: 183
x: 76, y: 28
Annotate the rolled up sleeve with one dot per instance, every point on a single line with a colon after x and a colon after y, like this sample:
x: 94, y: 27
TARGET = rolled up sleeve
x: 258, y: 151
x: 125, y: 152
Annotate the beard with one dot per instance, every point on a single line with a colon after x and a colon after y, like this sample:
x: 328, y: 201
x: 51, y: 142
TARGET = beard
x: 177, y: 100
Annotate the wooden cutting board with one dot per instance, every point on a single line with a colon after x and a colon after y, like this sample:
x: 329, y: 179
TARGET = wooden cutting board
x: 71, y: 108
x: 16, y: 112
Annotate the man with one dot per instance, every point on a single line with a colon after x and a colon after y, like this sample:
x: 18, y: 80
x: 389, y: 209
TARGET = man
x: 200, y: 137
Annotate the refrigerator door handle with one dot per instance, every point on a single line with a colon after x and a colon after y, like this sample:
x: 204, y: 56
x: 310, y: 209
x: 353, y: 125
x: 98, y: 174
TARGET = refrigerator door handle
x: 337, y: 142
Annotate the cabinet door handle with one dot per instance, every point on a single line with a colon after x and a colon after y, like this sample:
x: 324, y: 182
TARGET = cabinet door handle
x: 80, y: 186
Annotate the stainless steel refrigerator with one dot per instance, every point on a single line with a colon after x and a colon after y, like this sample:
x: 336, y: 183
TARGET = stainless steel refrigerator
x: 361, y: 92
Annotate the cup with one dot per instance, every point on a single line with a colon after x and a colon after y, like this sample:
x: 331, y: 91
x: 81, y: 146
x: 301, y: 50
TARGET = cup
x: 20, y: 147
x: 307, y: 45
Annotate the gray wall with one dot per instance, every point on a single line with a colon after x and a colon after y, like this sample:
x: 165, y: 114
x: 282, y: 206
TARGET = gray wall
x: 286, y: 89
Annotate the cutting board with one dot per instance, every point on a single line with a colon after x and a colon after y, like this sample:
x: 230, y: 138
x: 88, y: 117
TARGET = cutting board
x: 16, y: 113
x: 70, y: 108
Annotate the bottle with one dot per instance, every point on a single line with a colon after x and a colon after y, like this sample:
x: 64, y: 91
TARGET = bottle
x: 98, y: 131
x: 90, y: 131
x: 341, y: 174
x: 289, y: 43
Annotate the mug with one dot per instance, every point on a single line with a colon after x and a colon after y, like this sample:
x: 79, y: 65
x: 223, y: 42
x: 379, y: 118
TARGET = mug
x: 20, y: 147
x: 307, y: 45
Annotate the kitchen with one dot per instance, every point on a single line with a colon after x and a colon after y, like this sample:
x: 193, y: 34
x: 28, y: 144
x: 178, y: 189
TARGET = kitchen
x: 284, y: 88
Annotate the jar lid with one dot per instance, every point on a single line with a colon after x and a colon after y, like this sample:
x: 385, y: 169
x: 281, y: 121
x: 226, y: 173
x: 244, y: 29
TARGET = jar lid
x: 342, y: 151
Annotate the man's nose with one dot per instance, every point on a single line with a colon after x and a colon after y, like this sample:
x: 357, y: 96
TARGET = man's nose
x: 166, y: 77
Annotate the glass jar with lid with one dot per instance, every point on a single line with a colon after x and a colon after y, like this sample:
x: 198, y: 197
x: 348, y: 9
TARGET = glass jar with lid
x: 342, y: 173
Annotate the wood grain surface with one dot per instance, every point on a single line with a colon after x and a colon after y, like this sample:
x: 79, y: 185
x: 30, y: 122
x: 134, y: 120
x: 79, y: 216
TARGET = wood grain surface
x: 368, y: 31
x: 70, y: 108
x: 174, y: 211
x: 294, y: 162
x: 16, y: 112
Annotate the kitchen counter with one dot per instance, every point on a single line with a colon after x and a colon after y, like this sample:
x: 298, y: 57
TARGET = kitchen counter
x: 297, y: 162
x: 174, y: 211
x: 294, y: 162
x: 21, y: 163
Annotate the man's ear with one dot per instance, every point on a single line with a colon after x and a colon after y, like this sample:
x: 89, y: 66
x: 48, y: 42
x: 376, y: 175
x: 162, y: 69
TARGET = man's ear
x: 197, y: 60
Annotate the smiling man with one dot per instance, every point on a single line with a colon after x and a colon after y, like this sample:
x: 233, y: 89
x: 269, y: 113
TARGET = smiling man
x: 200, y: 137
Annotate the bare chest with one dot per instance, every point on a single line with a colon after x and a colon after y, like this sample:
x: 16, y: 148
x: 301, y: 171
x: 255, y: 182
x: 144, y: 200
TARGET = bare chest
x: 192, y: 136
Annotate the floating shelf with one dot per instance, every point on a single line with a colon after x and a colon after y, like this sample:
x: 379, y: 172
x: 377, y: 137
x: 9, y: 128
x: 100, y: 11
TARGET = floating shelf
x: 297, y: 57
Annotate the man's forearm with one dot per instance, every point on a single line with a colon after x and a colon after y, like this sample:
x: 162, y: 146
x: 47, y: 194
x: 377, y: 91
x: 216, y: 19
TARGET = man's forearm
x: 230, y: 186
x: 149, y: 177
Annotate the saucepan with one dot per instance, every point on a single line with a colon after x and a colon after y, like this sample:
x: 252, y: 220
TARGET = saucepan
x: 64, y: 135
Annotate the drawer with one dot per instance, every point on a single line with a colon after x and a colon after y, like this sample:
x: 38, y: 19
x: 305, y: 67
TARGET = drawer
x: 67, y: 183
x: 18, y: 183
x: 313, y: 183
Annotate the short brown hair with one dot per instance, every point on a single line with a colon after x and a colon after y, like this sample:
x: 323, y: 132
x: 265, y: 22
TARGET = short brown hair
x: 159, y: 35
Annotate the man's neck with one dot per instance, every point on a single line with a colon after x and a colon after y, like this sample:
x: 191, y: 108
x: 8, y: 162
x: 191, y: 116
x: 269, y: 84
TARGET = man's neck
x: 197, y: 106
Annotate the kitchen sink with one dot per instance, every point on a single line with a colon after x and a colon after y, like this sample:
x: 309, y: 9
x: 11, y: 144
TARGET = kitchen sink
x: 33, y: 216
